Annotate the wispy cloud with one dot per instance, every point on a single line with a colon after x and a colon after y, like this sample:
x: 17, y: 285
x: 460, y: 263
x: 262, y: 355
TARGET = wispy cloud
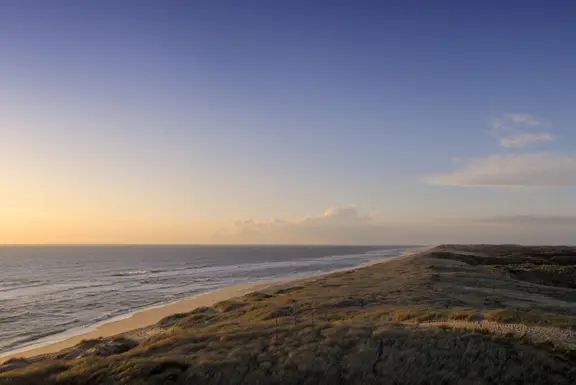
x: 568, y: 220
x: 350, y: 225
x: 524, y: 139
x: 336, y: 224
x: 542, y: 169
x: 339, y: 215
x: 331, y: 216
x: 535, y: 169
x: 517, y: 131
x: 521, y: 119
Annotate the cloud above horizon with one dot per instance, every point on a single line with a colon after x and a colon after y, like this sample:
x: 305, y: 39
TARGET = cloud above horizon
x: 332, y: 215
x: 350, y: 225
x: 518, y: 169
x: 569, y: 220
x: 346, y: 223
x: 516, y: 131
x: 541, y: 169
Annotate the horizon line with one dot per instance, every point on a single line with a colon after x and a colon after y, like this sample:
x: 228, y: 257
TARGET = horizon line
x: 208, y: 244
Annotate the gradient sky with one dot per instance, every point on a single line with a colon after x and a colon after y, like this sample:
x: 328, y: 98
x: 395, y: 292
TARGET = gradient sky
x: 287, y: 122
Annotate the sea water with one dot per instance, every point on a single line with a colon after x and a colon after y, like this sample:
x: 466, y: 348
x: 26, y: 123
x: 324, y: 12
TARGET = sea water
x: 48, y: 290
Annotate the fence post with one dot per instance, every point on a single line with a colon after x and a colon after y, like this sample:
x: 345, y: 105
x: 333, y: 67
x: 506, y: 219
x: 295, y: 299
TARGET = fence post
x: 313, y: 312
x: 276, y: 330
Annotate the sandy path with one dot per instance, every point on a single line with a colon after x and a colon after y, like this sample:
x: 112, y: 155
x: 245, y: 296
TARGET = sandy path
x: 558, y: 336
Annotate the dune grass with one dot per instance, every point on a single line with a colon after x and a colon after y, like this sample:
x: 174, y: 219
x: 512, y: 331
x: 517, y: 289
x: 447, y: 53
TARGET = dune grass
x: 353, y: 327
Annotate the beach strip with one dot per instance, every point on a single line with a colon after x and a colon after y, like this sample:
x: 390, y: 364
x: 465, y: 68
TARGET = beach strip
x: 141, y: 319
x: 138, y: 325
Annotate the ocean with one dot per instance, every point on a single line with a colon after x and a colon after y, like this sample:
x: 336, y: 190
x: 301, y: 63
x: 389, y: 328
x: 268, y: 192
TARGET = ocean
x: 46, y: 291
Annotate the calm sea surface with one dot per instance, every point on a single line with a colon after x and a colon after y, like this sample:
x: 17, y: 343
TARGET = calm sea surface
x: 47, y: 290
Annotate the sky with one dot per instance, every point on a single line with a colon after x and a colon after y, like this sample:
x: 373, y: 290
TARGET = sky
x: 367, y: 122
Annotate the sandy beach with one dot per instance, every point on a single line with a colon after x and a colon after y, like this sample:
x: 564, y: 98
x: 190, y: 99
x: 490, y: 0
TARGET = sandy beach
x: 139, y: 325
x: 144, y: 318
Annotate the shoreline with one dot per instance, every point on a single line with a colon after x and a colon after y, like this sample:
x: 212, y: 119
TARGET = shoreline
x: 138, y: 320
x: 452, y: 314
x: 147, y: 318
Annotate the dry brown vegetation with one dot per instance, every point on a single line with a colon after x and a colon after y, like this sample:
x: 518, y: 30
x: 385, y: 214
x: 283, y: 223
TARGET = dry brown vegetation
x: 359, y: 327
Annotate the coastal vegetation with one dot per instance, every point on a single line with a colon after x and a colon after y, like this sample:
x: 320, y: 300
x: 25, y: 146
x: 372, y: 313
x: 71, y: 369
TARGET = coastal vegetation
x: 454, y: 314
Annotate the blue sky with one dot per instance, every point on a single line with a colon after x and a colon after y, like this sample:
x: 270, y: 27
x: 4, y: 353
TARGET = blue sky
x: 252, y: 121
